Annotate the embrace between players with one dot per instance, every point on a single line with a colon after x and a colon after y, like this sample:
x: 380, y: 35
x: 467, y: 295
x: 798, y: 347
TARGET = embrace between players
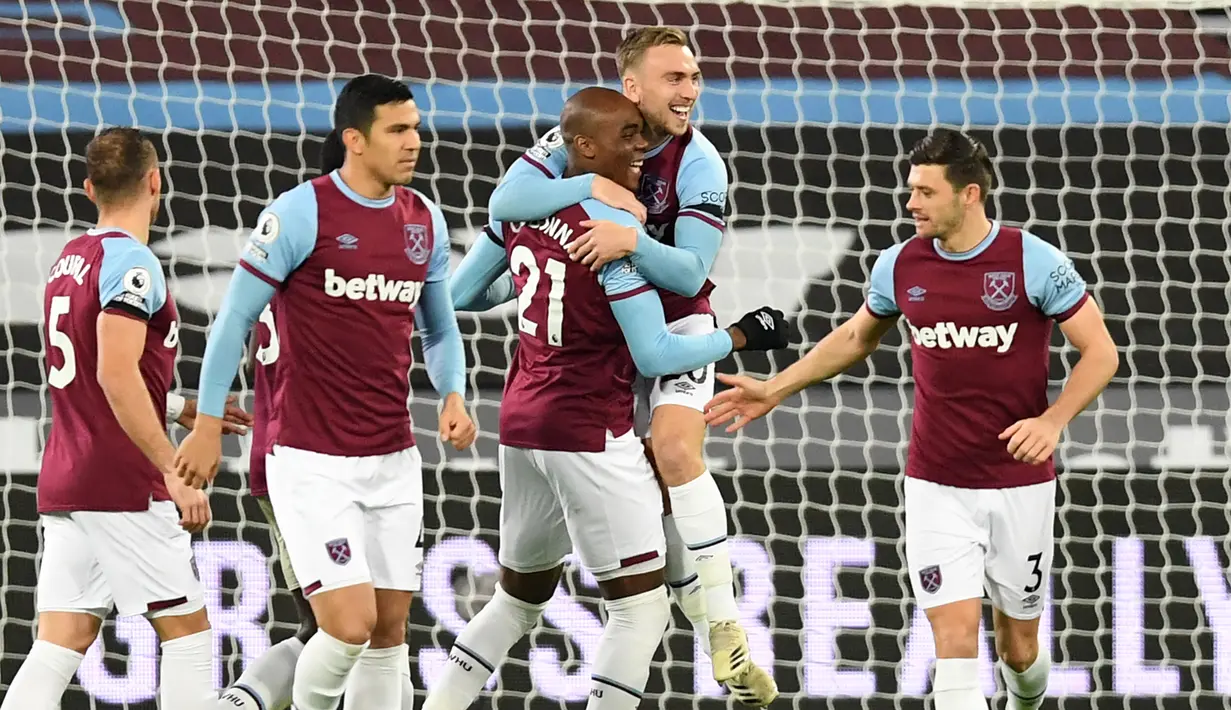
x: 606, y: 286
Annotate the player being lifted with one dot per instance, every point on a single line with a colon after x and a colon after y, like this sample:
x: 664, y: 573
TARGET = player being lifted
x: 349, y: 255
x: 107, y: 492
x: 683, y: 188
x: 586, y: 483
x: 980, y: 298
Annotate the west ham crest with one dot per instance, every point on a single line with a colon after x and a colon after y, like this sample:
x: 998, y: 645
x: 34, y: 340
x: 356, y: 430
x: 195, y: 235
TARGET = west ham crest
x: 655, y: 194
x: 999, y: 290
x: 417, y: 249
x: 930, y: 579
x: 339, y: 550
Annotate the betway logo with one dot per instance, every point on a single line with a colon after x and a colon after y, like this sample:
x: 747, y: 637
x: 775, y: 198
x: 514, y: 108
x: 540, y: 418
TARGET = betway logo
x: 951, y: 335
x: 373, y: 287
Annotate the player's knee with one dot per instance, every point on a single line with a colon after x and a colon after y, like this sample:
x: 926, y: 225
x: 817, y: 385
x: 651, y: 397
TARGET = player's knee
x: 74, y: 631
x: 678, y: 460
x: 1017, y: 651
x: 955, y: 628
x: 353, y: 626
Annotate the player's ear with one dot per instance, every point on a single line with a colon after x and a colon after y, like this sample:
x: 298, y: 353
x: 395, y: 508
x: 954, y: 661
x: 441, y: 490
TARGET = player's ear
x: 631, y: 90
x: 155, y: 181
x: 584, y: 146
x: 88, y: 186
x: 354, y: 140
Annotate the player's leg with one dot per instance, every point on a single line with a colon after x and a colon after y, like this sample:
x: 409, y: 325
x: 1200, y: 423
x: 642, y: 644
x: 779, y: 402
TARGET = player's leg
x: 944, y: 554
x: 613, y: 511
x: 1018, y: 579
x: 533, y: 544
x: 315, y: 499
x: 72, y: 600
x: 677, y: 435
x: 393, y: 517
x: 147, y: 562
x: 266, y: 683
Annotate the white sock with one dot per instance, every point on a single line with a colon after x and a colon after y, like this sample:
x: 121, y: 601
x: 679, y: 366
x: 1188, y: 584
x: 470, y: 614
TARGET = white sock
x: 42, y: 678
x: 956, y: 686
x: 1028, y: 688
x: 634, y: 631
x: 685, y: 584
x: 321, y: 672
x: 480, y: 649
x: 408, y: 685
x: 375, y: 682
x: 701, y: 517
x: 186, y: 676
x: 266, y: 684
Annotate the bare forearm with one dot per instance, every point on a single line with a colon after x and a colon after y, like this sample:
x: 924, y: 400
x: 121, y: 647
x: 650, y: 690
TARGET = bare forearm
x: 835, y: 353
x: 1089, y: 378
x: 134, y: 410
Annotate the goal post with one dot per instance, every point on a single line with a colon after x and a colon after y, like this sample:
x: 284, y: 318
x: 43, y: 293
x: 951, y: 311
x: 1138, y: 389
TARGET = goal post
x: 1107, y: 125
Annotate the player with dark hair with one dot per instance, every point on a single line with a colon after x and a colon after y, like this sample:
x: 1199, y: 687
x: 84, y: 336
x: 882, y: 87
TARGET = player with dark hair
x: 356, y: 262
x: 107, y: 491
x: 586, y: 484
x: 682, y: 198
x: 333, y: 152
x: 980, y: 298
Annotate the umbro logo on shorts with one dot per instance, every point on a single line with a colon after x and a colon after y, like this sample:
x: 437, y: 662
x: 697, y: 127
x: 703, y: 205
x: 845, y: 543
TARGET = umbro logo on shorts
x: 930, y: 579
x: 339, y: 550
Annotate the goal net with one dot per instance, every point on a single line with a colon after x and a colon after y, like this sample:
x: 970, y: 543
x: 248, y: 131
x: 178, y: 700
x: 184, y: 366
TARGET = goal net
x: 1108, y: 128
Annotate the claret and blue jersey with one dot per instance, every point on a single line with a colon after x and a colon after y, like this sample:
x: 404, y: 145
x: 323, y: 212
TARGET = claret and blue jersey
x: 353, y: 276
x: 980, y: 327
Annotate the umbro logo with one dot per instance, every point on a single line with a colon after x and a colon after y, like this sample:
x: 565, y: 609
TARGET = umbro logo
x: 766, y: 320
x: 348, y: 241
x: 916, y: 293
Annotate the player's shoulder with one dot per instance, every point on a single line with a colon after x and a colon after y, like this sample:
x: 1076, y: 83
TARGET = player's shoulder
x: 428, y: 203
x: 1035, y: 244
x: 890, y: 256
x: 701, y: 151
x: 599, y: 210
x: 121, y: 251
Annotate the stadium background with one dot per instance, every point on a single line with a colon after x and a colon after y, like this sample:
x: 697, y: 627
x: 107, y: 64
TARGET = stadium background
x: 1109, y: 131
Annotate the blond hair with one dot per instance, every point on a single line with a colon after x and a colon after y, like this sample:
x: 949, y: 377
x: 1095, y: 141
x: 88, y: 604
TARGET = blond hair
x: 632, y: 50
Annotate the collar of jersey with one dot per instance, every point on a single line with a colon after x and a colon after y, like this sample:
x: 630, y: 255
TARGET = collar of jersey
x: 972, y: 253
x: 658, y: 148
x: 100, y: 230
x: 355, y: 196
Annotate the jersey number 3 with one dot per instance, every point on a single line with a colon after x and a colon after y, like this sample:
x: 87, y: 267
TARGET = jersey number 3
x: 521, y: 259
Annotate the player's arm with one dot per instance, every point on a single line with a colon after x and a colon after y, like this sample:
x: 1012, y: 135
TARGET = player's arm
x: 482, y: 280
x: 131, y: 290
x: 284, y: 237
x: 1055, y: 288
x: 683, y: 268
x: 533, y: 189
x: 850, y: 343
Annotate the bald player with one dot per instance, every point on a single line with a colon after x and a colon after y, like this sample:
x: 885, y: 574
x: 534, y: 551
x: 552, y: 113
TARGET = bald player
x: 585, y: 484
x: 107, y: 491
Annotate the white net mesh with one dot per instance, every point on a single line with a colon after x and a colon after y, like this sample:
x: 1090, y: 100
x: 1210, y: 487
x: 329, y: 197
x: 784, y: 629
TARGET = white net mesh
x: 1108, y: 127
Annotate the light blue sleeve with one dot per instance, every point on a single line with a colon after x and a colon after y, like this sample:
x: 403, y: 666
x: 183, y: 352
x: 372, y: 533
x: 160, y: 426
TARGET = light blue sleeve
x: 1052, y: 282
x: 131, y: 277
x: 682, y: 268
x: 246, y: 297
x: 442, y: 339
x: 655, y: 350
x: 881, y: 299
x: 285, y: 234
x: 702, y: 180
x: 480, y: 278
x: 438, y: 267
x: 533, y: 189
x: 621, y: 277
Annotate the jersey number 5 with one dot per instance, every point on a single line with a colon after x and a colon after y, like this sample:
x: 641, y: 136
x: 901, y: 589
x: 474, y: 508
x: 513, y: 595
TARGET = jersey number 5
x: 60, y: 377
x: 521, y: 259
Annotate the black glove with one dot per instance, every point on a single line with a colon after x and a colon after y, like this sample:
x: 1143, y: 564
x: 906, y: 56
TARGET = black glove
x: 763, y: 329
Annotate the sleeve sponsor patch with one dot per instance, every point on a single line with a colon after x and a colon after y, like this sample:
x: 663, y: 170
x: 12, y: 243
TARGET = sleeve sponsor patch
x: 267, y: 229
x: 130, y: 299
x: 138, y: 281
x: 546, y: 145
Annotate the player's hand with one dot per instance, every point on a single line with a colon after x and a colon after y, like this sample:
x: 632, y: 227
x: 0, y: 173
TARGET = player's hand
x: 747, y: 399
x: 605, y: 242
x: 613, y: 194
x: 762, y: 329
x: 234, y: 420
x: 196, y: 460
x: 193, y: 504
x: 456, y: 426
x: 1032, y: 440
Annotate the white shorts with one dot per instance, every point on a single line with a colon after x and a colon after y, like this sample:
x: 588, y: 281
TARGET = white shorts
x: 138, y: 563
x: 350, y: 520
x: 607, y: 505
x: 960, y: 541
x: 689, y: 389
